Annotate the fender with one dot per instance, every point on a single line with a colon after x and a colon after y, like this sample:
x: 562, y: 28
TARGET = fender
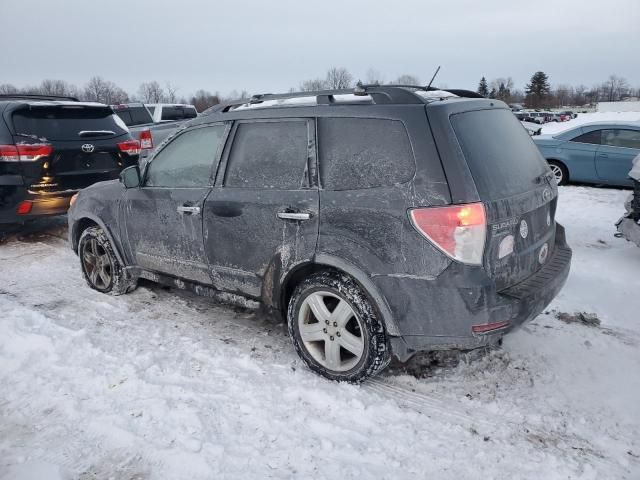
x: 367, y: 284
x: 77, y: 217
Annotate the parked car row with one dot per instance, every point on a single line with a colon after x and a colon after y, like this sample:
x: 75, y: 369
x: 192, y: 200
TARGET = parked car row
x: 544, y: 117
x: 379, y: 222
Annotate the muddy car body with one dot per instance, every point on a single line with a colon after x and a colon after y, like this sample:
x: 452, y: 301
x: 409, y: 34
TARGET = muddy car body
x: 371, y: 219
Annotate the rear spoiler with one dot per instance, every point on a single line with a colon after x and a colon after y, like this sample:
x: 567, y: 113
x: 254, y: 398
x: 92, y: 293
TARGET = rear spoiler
x: 29, y: 96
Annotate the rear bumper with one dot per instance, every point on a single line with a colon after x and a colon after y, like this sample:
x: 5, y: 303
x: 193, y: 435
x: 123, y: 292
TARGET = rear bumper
x: 55, y: 203
x: 439, y: 313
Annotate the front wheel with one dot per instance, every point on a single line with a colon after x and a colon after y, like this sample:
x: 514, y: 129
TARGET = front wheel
x: 335, y: 328
x: 100, y: 266
x: 559, y: 172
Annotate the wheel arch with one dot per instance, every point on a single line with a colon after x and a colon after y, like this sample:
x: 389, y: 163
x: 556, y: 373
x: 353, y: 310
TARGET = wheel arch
x: 324, y: 262
x: 87, y: 221
x: 562, y: 164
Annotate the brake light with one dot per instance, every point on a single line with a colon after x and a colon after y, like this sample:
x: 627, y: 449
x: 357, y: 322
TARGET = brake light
x: 459, y: 231
x: 24, y: 207
x: 24, y: 152
x: 146, y: 140
x: 130, y: 147
x: 489, y: 327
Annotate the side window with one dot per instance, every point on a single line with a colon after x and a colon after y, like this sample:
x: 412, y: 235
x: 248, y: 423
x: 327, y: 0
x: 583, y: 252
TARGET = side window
x: 269, y: 155
x: 358, y: 153
x: 590, y: 137
x: 151, y: 109
x: 621, y: 138
x: 187, y: 161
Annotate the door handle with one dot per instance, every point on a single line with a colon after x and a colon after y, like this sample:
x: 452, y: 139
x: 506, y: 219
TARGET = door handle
x: 603, y: 155
x: 188, y: 209
x: 293, y: 216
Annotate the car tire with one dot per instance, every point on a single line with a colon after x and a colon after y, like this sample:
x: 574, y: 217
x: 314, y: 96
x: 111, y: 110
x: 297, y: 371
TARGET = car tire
x: 559, y: 171
x: 100, y: 266
x: 336, y: 329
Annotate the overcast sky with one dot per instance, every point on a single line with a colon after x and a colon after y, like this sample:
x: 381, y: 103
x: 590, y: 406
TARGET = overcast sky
x: 270, y: 46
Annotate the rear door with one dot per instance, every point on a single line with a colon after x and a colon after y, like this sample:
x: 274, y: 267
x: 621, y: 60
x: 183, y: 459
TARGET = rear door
x: 615, y: 155
x: 518, y: 191
x: 262, y: 217
x: 84, y: 140
x: 163, y: 218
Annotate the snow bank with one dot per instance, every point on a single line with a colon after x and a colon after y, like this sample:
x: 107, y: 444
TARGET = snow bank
x: 582, y: 118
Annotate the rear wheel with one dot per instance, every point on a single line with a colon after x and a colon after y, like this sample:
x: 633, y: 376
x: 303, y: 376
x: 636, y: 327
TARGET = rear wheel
x: 336, y: 329
x: 559, y: 172
x: 100, y: 265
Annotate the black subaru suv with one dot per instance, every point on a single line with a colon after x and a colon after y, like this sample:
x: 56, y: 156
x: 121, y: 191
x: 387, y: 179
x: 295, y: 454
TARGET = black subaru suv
x: 51, y: 147
x: 380, y: 221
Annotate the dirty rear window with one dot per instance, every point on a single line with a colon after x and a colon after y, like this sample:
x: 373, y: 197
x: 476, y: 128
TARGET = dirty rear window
x: 359, y: 153
x: 134, y: 116
x: 59, y: 123
x: 502, y: 158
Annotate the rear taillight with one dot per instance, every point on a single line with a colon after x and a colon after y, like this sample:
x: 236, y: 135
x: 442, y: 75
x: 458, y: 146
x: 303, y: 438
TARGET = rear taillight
x: 24, y: 153
x: 146, y: 140
x: 24, y: 207
x: 130, y: 147
x: 459, y: 231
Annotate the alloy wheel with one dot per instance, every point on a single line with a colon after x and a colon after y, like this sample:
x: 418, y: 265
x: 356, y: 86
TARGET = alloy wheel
x: 557, y: 173
x: 97, y: 264
x: 331, y: 331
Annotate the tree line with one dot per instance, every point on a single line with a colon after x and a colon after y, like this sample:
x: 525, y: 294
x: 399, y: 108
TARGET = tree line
x: 538, y: 93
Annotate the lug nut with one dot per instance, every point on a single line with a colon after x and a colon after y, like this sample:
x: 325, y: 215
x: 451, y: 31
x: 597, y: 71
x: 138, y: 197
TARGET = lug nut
x: 335, y: 324
x: 327, y: 322
x: 331, y: 338
x: 324, y: 330
x: 337, y: 334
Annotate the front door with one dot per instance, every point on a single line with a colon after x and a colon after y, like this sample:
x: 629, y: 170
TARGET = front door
x: 262, y: 217
x: 615, y: 155
x: 163, y: 218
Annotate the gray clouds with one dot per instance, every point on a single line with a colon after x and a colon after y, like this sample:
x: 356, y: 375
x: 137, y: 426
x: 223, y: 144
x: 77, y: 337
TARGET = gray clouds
x: 273, y: 45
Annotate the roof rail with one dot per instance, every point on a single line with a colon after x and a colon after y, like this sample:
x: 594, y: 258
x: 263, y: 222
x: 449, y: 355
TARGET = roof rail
x: 380, y: 94
x: 29, y: 96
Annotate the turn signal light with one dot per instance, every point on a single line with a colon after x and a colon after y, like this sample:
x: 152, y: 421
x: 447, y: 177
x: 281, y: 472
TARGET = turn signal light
x: 130, y: 147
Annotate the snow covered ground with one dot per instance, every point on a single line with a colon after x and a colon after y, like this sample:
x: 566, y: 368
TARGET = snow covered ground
x: 160, y: 384
x: 582, y: 118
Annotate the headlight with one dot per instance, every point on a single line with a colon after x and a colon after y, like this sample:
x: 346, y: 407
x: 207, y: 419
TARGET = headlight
x: 73, y: 199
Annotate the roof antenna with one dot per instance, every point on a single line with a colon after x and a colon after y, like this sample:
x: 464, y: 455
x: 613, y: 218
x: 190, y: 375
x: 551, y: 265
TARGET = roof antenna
x: 433, y: 78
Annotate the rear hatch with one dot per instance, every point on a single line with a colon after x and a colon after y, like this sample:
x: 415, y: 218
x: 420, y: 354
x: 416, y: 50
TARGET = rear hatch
x: 513, y: 182
x: 88, y: 144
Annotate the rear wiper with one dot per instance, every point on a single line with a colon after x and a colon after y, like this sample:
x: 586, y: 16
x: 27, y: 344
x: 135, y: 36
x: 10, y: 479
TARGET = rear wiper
x: 95, y: 133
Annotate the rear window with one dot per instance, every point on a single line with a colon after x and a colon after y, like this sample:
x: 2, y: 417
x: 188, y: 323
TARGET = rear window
x: 501, y: 156
x: 178, y: 113
x: 66, y: 123
x: 359, y: 153
x: 134, y: 116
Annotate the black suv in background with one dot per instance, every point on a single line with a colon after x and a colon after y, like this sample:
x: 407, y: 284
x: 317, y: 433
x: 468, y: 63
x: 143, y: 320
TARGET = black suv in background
x: 381, y: 220
x: 51, y: 147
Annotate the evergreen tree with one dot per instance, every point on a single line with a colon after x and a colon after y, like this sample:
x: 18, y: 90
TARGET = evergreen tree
x: 483, y: 88
x: 504, y: 93
x: 493, y: 93
x: 538, y: 89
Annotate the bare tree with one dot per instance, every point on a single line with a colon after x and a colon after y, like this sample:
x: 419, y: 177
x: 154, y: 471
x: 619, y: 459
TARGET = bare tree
x: 58, y: 87
x: 151, y: 92
x: 312, y: 85
x: 337, y: 78
x: 170, y: 95
x: 104, y: 91
x: 614, y: 89
x: 7, y: 89
x: 407, y: 80
x: 204, y: 99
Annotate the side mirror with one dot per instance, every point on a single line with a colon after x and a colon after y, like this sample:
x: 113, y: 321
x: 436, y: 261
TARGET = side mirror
x: 130, y: 177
